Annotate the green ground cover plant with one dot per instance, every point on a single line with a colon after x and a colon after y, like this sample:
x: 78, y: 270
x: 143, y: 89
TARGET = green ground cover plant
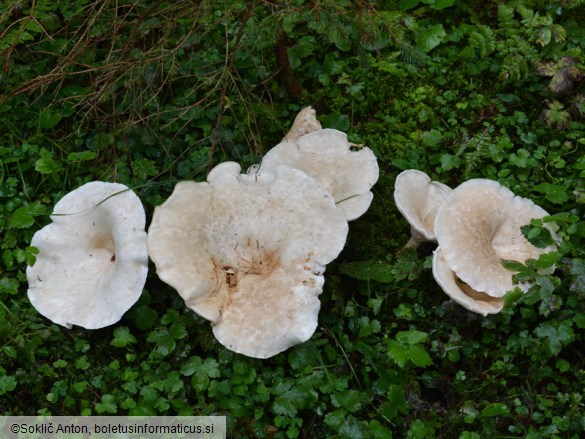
x: 148, y: 93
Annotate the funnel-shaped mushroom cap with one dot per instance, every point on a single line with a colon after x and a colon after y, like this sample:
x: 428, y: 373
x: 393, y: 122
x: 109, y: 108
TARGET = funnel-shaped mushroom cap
x: 418, y: 199
x: 477, y: 226
x: 306, y: 122
x: 248, y: 252
x: 461, y: 293
x: 326, y: 156
x: 93, y: 259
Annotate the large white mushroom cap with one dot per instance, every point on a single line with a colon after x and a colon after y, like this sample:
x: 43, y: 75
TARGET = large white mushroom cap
x: 93, y: 259
x: 326, y: 155
x: 418, y: 199
x: 461, y: 293
x: 478, y: 226
x: 248, y: 252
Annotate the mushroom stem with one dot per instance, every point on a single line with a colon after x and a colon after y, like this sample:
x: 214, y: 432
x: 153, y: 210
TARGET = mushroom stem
x: 415, y: 240
x: 418, y: 199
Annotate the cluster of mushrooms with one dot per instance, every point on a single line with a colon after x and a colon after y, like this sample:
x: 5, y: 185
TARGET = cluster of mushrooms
x: 246, y: 251
x: 476, y: 226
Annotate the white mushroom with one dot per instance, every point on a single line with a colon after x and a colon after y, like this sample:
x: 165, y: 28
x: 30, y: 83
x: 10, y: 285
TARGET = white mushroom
x: 248, y: 252
x: 306, y: 122
x: 326, y: 156
x: 461, y: 293
x: 93, y: 259
x: 478, y: 226
x: 418, y: 199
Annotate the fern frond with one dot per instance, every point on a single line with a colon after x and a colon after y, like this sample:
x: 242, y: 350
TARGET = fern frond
x: 529, y: 52
x: 506, y: 16
x: 395, y: 23
x: 483, y: 40
x: 528, y: 16
x: 477, y: 147
x: 411, y: 54
x: 518, y: 57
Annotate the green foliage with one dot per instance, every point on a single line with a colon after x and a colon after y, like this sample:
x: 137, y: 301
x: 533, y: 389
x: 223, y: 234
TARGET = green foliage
x: 430, y: 37
x: 406, y: 347
x: 148, y: 93
x: 7, y: 384
x: 434, y: 4
x: 122, y: 337
x: 482, y: 40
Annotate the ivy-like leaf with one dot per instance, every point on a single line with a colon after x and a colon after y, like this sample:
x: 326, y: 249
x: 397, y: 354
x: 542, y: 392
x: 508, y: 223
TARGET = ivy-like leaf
x: 173, y: 383
x: 411, y: 337
x: 8, y: 285
x: 82, y: 363
x: 81, y: 156
x: 537, y: 235
x: 23, y: 217
x: 432, y: 137
x: 302, y: 48
x: 397, y: 352
x: 449, y: 161
x: 336, y: 121
x: 553, y: 192
x: 178, y: 331
x: 201, y: 371
x: 418, y: 355
x: 165, y: 343
x: 107, y: 405
x: 7, y: 384
x: 48, y: 119
x: 303, y: 355
x: 351, y: 400
x: 556, y: 335
x: 144, y: 316
x: 547, y: 260
x: 495, y: 409
x: 47, y: 164
x: 122, y: 337
x: 407, y: 347
x: 368, y: 270
x: 430, y: 37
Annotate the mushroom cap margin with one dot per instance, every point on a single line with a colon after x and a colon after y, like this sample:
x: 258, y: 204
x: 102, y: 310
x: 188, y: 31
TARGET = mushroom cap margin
x: 463, y: 294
